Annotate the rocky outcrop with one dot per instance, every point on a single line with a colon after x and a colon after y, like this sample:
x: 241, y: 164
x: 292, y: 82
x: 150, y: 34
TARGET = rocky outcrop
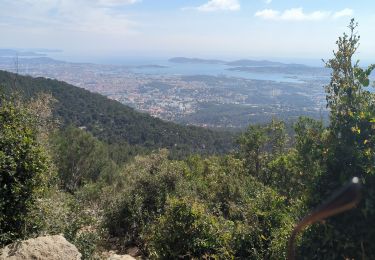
x: 41, y: 248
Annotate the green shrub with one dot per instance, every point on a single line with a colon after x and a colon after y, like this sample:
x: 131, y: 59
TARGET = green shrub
x: 260, y: 225
x: 81, y: 158
x: 187, y: 230
x: 22, y: 164
x: 62, y: 213
x: 86, y: 243
x: 224, y: 212
x: 142, y: 196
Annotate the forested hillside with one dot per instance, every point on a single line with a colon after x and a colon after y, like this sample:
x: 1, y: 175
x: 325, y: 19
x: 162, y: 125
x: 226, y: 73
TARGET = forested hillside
x: 114, y: 122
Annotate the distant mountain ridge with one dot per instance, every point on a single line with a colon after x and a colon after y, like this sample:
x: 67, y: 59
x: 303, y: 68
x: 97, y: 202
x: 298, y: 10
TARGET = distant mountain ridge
x: 30, y: 60
x: 114, y: 122
x: 236, y: 63
x: 15, y: 53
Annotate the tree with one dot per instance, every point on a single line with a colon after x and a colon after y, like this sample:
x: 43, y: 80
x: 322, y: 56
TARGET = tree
x: 352, y: 110
x: 81, y: 158
x: 252, y: 144
x: 22, y: 165
x: 260, y: 144
x: 310, y: 139
x: 349, y: 151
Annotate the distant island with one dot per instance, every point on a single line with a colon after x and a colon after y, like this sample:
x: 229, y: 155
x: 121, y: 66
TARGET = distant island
x: 16, y: 53
x: 195, y: 60
x: 236, y: 63
x: 30, y: 60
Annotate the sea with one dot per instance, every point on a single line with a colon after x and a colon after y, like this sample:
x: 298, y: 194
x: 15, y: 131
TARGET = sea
x: 162, y: 66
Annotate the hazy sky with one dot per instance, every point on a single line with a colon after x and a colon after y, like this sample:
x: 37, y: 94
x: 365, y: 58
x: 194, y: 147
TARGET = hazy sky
x: 205, y: 28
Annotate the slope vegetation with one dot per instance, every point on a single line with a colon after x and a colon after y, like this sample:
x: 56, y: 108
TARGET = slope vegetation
x: 114, y: 122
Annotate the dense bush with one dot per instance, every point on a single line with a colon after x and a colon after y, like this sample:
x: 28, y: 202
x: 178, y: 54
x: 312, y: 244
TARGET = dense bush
x: 29, y: 202
x: 213, y: 206
x: 81, y: 159
x: 142, y: 194
x: 22, y: 164
x: 60, y: 212
x: 187, y: 230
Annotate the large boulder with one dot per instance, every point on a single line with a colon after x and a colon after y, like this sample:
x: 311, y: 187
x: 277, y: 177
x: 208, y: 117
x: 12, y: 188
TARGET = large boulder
x: 41, y: 248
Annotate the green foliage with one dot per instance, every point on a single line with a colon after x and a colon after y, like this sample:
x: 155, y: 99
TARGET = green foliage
x: 22, y: 164
x: 348, y: 151
x: 28, y: 204
x: 219, y: 181
x: 81, y: 159
x: 285, y: 176
x: 188, y: 230
x: 309, y: 141
x: 228, y: 191
x: 352, y: 108
x: 86, y: 243
x: 113, y: 122
x: 142, y: 195
x: 294, y: 172
x: 214, y: 207
x: 252, y: 144
x: 259, y: 143
x: 62, y: 213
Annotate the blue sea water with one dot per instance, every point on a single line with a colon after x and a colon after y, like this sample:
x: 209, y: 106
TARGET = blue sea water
x: 170, y: 68
x: 142, y: 65
x: 161, y: 66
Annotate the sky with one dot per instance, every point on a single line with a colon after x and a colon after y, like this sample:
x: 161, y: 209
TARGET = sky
x: 196, y: 28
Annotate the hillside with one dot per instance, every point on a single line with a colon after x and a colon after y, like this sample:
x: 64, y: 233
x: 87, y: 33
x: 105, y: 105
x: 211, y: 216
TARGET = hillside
x: 114, y: 122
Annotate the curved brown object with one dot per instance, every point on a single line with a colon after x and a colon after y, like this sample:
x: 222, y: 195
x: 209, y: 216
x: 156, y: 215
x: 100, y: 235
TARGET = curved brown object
x: 343, y: 200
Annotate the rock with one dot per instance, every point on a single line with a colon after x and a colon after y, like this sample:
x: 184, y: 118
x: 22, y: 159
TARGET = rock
x: 120, y: 257
x: 111, y: 255
x: 41, y: 248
